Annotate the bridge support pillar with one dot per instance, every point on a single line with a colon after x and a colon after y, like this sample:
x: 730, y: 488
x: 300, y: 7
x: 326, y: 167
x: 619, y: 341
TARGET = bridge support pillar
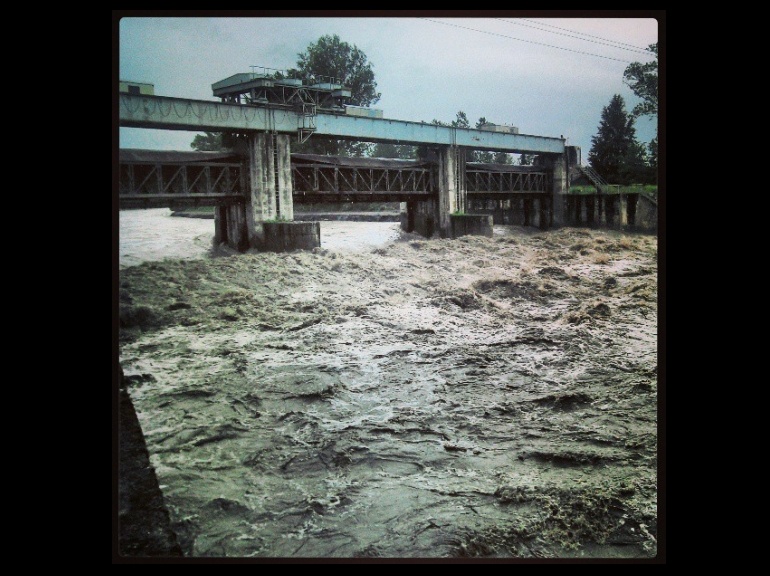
x: 271, y: 195
x: 590, y: 210
x: 230, y: 227
x: 545, y: 212
x: 261, y: 205
x: 611, y: 210
x: 408, y: 215
x: 527, y: 209
x: 623, y: 210
x: 423, y: 216
x: 601, y: 216
x: 452, y: 192
x: 557, y: 165
x: 632, y: 200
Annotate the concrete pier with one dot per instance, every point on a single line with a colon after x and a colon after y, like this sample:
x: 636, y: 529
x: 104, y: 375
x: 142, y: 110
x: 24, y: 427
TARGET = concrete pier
x: 471, y: 225
x: 590, y: 203
x: 262, y: 204
x: 230, y: 226
x: 265, y: 221
x: 623, y: 210
x: 408, y: 216
x: 287, y: 236
x: 646, y: 214
x: 557, y: 165
x: 426, y: 221
x: 452, y: 193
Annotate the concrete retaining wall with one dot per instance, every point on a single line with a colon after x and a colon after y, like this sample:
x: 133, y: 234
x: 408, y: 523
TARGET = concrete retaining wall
x: 621, y: 212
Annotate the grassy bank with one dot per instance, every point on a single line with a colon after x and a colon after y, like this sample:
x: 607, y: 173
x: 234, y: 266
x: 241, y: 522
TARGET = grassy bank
x: 649, y: 189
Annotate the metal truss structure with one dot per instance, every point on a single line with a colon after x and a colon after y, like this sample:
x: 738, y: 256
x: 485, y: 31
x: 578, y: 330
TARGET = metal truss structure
x: 328, y: 182
x: 195, y: 183
x: 488, y: 183
x: 163, y: 183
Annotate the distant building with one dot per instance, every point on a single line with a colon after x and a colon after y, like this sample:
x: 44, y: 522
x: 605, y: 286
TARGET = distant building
x: 137, y: 88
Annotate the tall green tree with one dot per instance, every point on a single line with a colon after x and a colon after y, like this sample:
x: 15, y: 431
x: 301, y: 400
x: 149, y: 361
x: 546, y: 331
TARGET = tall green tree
x: 610, y: 145
x: 526, y: 160
x: 642, y: 78
x: 331, y: 56
x: 634, y: 168
x: 653, y: 154
x: 461, y: 120
x: 643, y: 81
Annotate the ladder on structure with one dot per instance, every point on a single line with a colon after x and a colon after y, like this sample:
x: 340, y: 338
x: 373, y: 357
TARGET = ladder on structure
x: 308, y: 114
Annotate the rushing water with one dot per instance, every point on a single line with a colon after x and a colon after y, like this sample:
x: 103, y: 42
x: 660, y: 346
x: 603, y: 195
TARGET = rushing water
x: 470, y: 397
x: 154, y: 234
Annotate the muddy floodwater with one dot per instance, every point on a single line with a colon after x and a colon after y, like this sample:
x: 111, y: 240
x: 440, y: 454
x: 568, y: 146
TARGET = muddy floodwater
x: 391, y: 396
x: 153, y: 235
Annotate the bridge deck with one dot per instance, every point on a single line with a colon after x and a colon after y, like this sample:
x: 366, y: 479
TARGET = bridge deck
x: 144, y: 111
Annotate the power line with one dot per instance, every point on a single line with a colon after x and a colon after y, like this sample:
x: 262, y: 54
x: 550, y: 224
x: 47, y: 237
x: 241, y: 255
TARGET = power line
x: 528, y: 41
x: 610, y: 43
x: 584, y: 34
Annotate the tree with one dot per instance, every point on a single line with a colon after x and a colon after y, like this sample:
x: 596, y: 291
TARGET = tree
x: 330, y: 56
x: 502, y: 158
x: 611, y: 144
x: 634, y: 168
x: 477, y: 155
x: 653, y: 154
x: 461, y: 120
x: 643, y: 81
x: 388, y: 150
x: 208, y: 142
x: 526, y: 160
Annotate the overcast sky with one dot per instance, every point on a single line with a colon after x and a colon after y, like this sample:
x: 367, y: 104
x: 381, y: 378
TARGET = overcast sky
x: 543, y: 75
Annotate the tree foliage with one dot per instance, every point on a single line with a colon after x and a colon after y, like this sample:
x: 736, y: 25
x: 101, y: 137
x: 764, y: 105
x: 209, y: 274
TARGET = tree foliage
x: 330, y: 56
x: 643, y: 81
x: 634, y: 167
x: 611, y: 144
x: 461, y: 121
x: 388, y: 150
x: 478, y: 155
x: 653, y: 153
x: 208, y: 142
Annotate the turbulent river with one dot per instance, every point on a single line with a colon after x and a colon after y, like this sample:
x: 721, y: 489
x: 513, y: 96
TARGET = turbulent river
x: 391, y: 396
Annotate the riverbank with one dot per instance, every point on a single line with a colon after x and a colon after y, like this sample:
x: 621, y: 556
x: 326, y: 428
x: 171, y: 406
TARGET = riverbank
x: 478, y: 397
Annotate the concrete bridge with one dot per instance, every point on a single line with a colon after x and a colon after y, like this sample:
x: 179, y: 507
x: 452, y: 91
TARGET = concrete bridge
x: 257, y: 199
